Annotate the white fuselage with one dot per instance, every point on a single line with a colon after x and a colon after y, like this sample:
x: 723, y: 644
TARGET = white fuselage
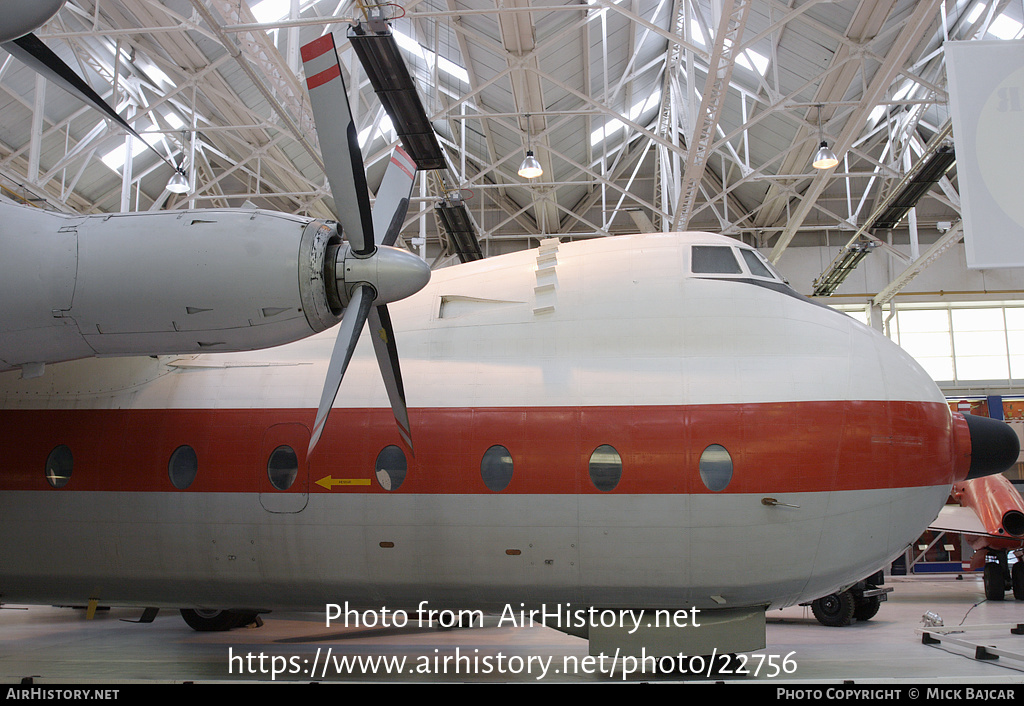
x: 552, y: 354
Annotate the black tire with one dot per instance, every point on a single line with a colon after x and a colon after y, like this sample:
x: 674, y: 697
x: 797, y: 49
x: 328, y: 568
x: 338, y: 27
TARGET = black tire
x: 995, y: 581
x: 834, y: 610
x: 210, y: 620
x: 1017, y: 579
x: 867, y: 608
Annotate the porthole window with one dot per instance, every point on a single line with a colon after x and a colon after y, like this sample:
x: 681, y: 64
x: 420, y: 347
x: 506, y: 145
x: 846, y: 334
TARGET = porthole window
x: 283, y: 467
x: 182, y: 467
x: 605, y: 468
x: 391, y: 467
x: 716, y: 467
x: 496, y: 468
x: 58, y: 466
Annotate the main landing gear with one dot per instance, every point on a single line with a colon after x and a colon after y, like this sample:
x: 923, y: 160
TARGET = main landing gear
x: 859, y: 602
x: 999, y: 576
x: 218, y: 620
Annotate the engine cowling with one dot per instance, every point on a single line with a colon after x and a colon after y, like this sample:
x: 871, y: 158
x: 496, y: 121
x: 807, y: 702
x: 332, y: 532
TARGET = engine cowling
x: 997, y: 504
x: 162, y: 283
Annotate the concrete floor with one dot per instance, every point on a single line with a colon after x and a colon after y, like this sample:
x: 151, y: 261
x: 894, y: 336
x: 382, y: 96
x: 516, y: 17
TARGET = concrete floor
x: 55, y: 645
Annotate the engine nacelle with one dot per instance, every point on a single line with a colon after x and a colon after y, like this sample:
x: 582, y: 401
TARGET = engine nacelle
x: 21, y: 17
x: 160, y: 283
x: 997, y: 504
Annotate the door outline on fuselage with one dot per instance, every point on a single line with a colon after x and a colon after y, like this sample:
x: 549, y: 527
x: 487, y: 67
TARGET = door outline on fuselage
x: 295, y: 498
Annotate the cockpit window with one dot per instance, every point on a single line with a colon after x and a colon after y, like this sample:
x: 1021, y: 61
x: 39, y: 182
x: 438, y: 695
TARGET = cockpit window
x: 714, y: 259
x: 757, y: 268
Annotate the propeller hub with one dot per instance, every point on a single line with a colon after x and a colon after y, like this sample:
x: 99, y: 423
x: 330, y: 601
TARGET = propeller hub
x: 393, y: 273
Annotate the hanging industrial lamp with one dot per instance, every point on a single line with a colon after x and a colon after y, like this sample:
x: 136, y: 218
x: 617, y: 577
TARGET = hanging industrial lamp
x: 825, y: 158
x: 178, y: 184
x: 530, y: 168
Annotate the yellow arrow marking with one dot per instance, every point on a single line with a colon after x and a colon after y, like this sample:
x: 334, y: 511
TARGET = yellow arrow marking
x: 329, y: 482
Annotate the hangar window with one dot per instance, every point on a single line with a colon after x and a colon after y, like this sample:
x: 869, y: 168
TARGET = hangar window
x: 496, y: 468
x: 283, y: 467
x: 58, y: 466
x: 182, y: 467
x: 391, y: 467
x: 605, y: 468
x: 716, y: 467
x: 714, y: 260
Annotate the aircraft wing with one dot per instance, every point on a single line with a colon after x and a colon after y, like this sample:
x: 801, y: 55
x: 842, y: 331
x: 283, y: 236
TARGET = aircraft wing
x: 956, y: 518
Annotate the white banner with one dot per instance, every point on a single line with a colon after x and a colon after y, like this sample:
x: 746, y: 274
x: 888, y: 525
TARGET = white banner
x: 986, y: 97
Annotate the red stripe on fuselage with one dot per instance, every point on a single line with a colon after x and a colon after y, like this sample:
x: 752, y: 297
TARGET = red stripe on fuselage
x: 775, y: 447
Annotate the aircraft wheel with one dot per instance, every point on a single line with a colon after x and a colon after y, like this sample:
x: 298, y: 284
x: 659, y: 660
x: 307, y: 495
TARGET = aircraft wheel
x: 1017, y: 579
x: 211, y: 620
x: 834, y: 610
x: 995, y: 582
x: 867, y: 608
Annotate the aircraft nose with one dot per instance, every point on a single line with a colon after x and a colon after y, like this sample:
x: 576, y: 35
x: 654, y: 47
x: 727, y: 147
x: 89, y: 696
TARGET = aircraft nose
x: 994, y: 446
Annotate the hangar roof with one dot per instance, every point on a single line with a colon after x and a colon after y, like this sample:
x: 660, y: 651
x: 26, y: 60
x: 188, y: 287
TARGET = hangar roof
x: 613, y: 96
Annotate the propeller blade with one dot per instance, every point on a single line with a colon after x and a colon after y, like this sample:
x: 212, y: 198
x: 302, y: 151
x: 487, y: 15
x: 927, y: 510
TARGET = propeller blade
x: 339, y: 142
x: 31, y: 51
x: 383, y: 335
x: 376, y: 275
x: 393, y: 197
x: 348, y: 335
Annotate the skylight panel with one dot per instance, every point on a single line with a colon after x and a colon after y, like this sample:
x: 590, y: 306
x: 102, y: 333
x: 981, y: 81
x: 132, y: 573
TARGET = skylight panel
x: 413, y: 47
x: 271, y: 10
x: 115, y: 157
x: 385, y: 129
x: 752, y: 61
x: 748, y: 59
x: 174, y: 121
x: 614, y: 125
x: 695, y: 34
x: 607, y: 130
x: 453, y: 69
x: 1004, y: 27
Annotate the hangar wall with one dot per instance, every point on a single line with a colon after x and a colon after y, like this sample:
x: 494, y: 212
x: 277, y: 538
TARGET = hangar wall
x: 947, y: 279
